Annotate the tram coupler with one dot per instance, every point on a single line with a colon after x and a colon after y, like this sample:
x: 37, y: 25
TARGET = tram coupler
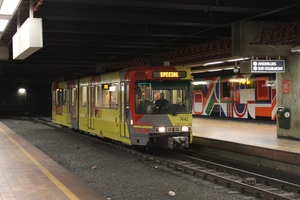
x: 179, y: 141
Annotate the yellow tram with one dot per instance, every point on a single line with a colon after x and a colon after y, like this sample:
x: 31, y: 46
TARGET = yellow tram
x: 127, y: 106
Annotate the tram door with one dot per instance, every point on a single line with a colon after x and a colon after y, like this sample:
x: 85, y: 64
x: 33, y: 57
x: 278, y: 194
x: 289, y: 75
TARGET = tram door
x: 124, y: 109
x: 90, y: 101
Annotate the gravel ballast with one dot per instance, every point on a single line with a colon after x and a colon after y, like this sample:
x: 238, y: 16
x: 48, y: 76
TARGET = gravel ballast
x: 113, y: 173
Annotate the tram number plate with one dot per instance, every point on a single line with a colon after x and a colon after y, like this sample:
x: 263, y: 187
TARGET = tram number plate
x: 184, y: 118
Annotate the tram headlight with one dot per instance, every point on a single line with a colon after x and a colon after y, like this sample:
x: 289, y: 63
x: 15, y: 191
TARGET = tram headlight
x: 160, y: 129
x: 186, y: 128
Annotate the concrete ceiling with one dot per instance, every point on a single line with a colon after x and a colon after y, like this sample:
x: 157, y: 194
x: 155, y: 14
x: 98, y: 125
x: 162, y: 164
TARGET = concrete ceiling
x: 81, y: 34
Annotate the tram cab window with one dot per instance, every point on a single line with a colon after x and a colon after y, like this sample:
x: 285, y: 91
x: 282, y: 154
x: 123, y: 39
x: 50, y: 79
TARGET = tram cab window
x: 176, y: 93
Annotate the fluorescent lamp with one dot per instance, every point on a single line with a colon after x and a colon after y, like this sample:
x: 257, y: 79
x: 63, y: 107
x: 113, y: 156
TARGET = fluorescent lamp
x: 214, y: 70
x: 213, y: 63
x: 22, y: 90
x: 197, y: 71
x: 295, y: 49
x: 3, y: 24
x: 237, y: 59
x: 200, y: 82
x: 9, y: 7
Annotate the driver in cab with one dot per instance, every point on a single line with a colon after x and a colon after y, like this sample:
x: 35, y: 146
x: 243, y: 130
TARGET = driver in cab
x: 161, y: 102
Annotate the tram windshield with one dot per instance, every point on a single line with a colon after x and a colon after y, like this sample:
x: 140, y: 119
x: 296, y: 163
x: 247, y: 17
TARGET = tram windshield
x: 163, y: 97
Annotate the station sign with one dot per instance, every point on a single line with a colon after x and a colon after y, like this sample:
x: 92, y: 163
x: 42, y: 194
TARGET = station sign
x: 267, y: 66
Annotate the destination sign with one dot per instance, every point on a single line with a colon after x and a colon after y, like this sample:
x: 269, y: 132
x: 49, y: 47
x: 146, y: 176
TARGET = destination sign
x: 175, y: 74
x: 267, y: 66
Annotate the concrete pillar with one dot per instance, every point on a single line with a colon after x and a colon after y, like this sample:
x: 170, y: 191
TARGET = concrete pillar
x: 289, y: 96
x: 288, y: 90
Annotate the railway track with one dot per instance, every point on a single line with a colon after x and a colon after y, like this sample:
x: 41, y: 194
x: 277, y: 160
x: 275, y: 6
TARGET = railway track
x: 248, y: 183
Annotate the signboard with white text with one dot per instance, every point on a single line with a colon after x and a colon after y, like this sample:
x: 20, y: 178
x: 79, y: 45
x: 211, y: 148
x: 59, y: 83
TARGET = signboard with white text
x: 267, y: 66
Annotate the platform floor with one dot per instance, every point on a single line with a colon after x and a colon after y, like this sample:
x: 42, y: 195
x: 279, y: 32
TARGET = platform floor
x: 26, y: 173
x: 254, y: 139
x: 248, y: 133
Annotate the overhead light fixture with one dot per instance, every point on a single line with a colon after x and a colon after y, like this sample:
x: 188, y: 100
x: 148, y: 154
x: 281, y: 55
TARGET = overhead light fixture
x: 3, y: 24
x: 295, y: 49
x: 214, y: 70
x: 197, y: 71
x: 237, y: 59
x: 213, y: 63
x: 200, y: 82
x: 229, y: 68
x: 22, y: 90
x: 8, y: 7
x: 7, y: 10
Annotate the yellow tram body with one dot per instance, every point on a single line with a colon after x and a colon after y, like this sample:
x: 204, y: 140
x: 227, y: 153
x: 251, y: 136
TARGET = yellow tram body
x: 122, y: 105
x: 60, y: 114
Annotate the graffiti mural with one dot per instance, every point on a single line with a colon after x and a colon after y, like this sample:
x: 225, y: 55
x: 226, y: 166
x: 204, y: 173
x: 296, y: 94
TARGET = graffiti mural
x: 246, y: 96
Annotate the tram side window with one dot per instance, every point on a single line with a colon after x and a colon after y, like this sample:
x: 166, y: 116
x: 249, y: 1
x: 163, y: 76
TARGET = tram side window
x: 108, y: 97
x: 56, y: 96
x: 73, y: 96
x: 98, y: 96
x: 114, y: 95
x: 64, y: 98
x: 127, y: 94
x: 105, y: 98
x: 60, y: 96
x: 84, y: 96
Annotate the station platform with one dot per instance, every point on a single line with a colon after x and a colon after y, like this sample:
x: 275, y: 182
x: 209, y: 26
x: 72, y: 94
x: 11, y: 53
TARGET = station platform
x: 247, y: 138
x: 26, y: 173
